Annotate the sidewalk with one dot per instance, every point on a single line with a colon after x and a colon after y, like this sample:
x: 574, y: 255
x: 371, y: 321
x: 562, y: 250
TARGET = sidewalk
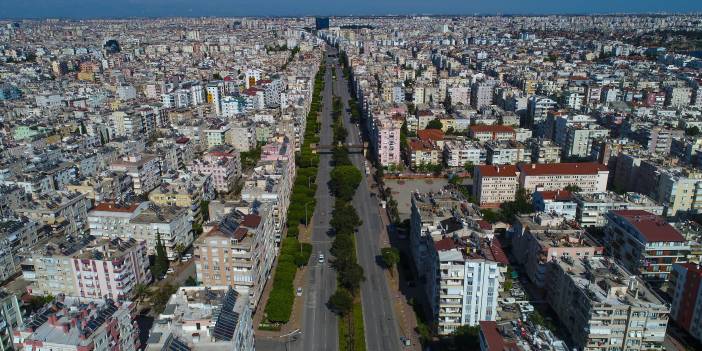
x: 407, y: 320
x: 295, y: 321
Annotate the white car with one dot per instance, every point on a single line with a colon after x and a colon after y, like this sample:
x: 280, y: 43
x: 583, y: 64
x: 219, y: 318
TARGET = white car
x: 170, y: 271
x: 299, y: 292
x: 321, y: 258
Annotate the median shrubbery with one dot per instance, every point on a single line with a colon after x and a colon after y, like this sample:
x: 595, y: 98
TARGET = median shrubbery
x: 345, y: 301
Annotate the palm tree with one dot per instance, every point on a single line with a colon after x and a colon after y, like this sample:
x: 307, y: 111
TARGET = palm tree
x: 140, y: 291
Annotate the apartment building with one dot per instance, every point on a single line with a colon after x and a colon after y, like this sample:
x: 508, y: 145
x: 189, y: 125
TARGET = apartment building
x: 186, y: 191
x: 484, y: 133
x: 645, y: 243
x: 463, y: 267
x: 107, y: 219
x: 206, y: 319
x: 657, y: 139
x: 386, y: 139
x: 545, y: 151
x: 686, y: 291
x: 458, y: 153
x: 506, y: 152
x: 577, y: 134
x: 17, y: 236
x: 678, y: 189
x: 216, y: 134
x: 592, y: 207
x: 604, y: 307
x: 238, y: 252
x: 272, y: 181
x: 464, y: 281
x: 61, y: 212
x: 171, y: 223
x: 559, y: 202
x: 493, y: 185
x: 423, y: 153
x: 87, y: 267
x: 590, y: 177
x: 144, y: 222
x: 223, y: 164
x: 142, y: 168
x: 539, y: 239
x: 79, y: 324
x: 10, y: 319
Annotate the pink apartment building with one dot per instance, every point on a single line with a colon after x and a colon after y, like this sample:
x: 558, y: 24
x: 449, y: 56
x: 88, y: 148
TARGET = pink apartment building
x: 223, y: 163
x: 87, y: 267
x: 387, y: 139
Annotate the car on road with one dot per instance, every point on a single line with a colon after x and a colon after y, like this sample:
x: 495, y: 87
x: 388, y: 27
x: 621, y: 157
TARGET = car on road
x: 298, y: 292
x: 321, y: 258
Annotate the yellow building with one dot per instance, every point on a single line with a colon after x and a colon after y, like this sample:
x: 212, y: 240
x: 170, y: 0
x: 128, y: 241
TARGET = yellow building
x: 188, y: 191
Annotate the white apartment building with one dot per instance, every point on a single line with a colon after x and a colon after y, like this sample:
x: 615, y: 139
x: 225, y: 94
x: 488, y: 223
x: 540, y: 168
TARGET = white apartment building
x: 493, y: 185
x: 144, y: 170
x: 457, y: 153
x: 463, y: 271
x: 605, y: 307
x: 590, y: 177
x: 211, y: 318
x: 144, y: 222
x: 592, y: 207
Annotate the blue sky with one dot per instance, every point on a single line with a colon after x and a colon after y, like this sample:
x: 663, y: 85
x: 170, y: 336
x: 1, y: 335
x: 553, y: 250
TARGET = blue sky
x: 149, y: 8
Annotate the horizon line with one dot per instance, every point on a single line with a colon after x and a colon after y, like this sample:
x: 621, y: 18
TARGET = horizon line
x: 389, y: 15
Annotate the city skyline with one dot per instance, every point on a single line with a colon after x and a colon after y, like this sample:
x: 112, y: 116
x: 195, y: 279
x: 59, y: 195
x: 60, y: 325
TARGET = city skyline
x: 85, y: 9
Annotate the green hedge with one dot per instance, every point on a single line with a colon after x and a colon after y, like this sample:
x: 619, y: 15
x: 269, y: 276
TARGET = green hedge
x: 293, y: 254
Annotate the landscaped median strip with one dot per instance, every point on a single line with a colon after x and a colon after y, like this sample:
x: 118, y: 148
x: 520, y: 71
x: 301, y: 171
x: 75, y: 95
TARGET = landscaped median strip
x: 294, y: 254
x: 346, y: 300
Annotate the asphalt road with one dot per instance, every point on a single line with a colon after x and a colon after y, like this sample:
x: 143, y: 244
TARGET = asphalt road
x: 319, y: 324
x: 381, y: 325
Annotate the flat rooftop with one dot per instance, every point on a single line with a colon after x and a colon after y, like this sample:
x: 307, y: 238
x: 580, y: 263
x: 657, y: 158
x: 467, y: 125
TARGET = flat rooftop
x: 606, y: 282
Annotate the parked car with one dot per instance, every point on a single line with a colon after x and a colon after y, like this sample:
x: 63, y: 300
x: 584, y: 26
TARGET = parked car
x: 170, y: 271
x: 298, y: 292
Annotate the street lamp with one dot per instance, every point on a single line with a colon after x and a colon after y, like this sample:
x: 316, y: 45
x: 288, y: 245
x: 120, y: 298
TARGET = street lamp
x: 306, y: 218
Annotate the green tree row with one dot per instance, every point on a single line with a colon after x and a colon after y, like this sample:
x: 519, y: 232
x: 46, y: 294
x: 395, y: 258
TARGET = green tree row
x: 294, y: 254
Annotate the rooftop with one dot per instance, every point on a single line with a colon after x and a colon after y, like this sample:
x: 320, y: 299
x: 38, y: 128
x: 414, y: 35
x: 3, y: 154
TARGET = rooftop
x: 605, y: 281
x: 216, y: 311
x: 539, y: 169
x: 652, y: 227
x: 72, y: 321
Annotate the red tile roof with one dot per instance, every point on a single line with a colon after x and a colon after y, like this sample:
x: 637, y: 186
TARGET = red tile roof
x: 416, y: 145
x: 498, y: 171
x: 652, y: 227
x: 498, y: 254
x: 251, y: 221
x: 113, y: 207
x: 483, y: 224
x: 240, y: 233
x: 494, y: 340
x: 537, y: 169
x: 430, y: 134
x: 491, y: 129
x: 445, y: 244
x: 558, y: 195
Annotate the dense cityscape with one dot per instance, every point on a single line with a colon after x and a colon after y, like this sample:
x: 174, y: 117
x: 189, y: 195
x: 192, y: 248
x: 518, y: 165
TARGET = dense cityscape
x: 493, y: 183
